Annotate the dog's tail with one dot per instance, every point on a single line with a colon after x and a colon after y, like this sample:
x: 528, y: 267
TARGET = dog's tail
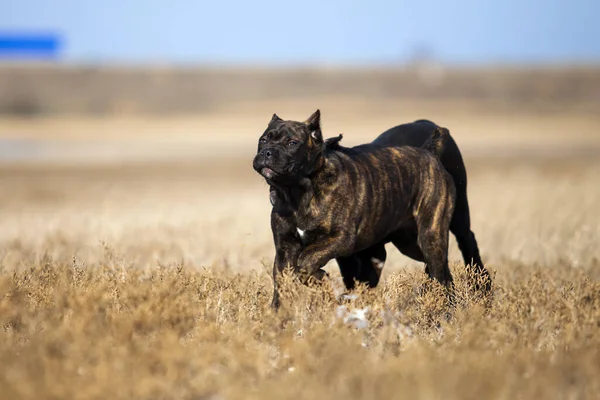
x: 437, y: 141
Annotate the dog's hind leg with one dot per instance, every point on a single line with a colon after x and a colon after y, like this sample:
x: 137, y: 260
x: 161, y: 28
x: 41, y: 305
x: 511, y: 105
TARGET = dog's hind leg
x: 434, y: 245
x: 433, y: 230
x: 460, y: 226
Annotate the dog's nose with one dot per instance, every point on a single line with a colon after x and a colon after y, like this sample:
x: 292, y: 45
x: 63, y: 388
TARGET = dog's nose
x: 266, y: 153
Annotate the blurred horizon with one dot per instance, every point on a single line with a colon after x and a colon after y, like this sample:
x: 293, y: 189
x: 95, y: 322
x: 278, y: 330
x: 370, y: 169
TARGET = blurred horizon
x: 519, y: 78
x: 270, y: 33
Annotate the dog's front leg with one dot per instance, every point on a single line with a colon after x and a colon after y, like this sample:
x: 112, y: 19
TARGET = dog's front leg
x: 314, y: 256
x: 285, y: 258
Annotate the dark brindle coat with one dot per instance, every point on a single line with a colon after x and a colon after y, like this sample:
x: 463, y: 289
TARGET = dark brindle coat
x: 366, y: 265
x: 334, y: 202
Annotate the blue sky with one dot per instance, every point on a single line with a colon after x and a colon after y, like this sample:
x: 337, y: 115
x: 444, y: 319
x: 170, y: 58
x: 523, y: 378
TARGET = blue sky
x: 313, y: 31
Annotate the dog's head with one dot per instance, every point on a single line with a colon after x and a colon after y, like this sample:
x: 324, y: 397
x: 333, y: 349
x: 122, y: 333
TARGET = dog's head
x: 289, y: 151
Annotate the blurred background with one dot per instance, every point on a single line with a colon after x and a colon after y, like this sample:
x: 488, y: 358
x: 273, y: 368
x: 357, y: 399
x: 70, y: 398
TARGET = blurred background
x: 214, y: 72
x: 131, y: 120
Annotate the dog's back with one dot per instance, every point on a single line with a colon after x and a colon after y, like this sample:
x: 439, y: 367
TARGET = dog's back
x: 409, y: 134
x: 424, y: 133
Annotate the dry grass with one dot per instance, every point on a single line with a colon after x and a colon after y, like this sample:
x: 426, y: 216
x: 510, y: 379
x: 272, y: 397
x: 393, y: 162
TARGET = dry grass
x: 94, y: 331
x: 148, y: 282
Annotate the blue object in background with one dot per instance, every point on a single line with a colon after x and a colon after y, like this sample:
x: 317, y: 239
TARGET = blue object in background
x: 15, y: 45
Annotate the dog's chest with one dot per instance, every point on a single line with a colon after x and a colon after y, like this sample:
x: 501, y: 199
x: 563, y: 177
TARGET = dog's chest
x: 301, y: 234
x: 305, y: 230
x: 309, y: 223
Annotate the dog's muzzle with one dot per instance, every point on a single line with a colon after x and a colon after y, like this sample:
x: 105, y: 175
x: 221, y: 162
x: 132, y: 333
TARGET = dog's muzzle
x: 263, y: 162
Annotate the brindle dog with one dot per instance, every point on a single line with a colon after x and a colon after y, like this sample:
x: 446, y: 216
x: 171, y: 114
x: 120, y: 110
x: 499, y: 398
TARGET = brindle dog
x: 365, y: 266
x: 335, y: 202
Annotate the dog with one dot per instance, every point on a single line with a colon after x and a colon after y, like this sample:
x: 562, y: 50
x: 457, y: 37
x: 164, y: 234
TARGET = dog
x: 332, y: 202
x: 365, y: 266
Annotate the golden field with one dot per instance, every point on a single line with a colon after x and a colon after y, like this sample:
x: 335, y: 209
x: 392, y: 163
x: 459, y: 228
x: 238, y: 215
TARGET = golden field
x: 136, y: 256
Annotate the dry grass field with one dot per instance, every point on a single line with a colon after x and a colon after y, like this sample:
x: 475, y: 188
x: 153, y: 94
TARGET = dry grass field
x: 149, y: 279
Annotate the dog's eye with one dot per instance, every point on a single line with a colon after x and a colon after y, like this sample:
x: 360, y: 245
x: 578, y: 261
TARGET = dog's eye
x: 263, y: 141
x: 292, y: 143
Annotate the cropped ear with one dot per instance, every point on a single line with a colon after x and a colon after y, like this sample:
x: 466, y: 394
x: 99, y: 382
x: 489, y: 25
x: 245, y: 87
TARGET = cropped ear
x: 275, y: 118
x: 314, y: 124
x: 314, y: 121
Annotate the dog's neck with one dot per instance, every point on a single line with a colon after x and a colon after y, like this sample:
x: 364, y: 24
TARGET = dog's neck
x: 290, y: 198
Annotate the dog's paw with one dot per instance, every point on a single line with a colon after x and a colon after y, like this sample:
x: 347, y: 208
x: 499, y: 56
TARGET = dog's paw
x: 320, y: 274
x: 315, y: 277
